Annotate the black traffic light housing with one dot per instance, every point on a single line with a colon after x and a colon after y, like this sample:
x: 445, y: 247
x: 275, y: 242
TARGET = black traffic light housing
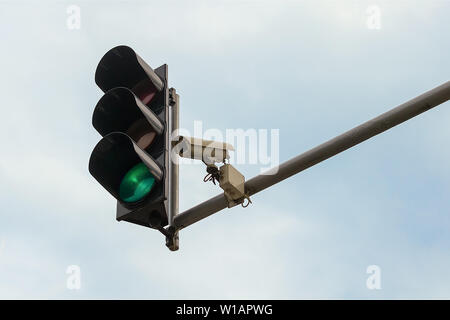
x: 133, y: 118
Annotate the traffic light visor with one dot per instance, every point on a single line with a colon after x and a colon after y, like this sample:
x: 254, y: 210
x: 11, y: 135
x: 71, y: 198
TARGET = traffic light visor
x: 123, y: 169
x: 120, y: 110
x: 122, y: 67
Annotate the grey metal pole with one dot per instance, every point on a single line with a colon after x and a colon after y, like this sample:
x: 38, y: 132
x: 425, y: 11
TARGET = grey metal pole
x: 173, y: 241
x: 383, y: 122
x: 175, y: 114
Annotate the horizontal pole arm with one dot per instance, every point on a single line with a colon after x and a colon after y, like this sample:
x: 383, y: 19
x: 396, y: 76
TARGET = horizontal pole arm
x: 377, y: 125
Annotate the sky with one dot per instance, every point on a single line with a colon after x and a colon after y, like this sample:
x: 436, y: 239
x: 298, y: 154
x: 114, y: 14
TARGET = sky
x: 311, y: 69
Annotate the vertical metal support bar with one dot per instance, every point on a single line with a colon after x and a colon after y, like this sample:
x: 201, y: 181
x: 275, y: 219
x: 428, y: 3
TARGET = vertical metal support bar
x: 174, y: 124
x: 175, y: 169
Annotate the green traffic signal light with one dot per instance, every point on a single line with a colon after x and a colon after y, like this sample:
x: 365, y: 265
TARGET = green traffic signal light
x: 136, y: 184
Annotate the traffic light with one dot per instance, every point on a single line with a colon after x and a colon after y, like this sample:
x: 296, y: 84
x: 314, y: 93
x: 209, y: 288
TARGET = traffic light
x: 132, y: 160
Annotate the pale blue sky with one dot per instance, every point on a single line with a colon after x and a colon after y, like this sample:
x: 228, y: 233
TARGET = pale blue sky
x: 309, y: 68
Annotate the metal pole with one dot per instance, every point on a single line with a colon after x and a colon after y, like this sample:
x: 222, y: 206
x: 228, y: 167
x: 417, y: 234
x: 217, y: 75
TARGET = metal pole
x: 383, y: 122
x: 175, y: 121
x: 172, y: 241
